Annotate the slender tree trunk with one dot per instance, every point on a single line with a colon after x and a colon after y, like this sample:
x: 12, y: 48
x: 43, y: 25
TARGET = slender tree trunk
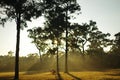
x: 40, y: 56
x: 83, y: 46
x: 57, y: 59
x: 17, y: 43
x: 83, y: 51
x: 17, y: 49
x: 66, y: 51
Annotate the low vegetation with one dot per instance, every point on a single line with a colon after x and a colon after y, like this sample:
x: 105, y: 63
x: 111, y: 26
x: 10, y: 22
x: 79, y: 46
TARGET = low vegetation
x: 113, y: 74
x: 76, y: 62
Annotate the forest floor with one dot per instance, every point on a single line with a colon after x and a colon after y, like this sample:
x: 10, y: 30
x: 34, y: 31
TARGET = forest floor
x: 113, y: 74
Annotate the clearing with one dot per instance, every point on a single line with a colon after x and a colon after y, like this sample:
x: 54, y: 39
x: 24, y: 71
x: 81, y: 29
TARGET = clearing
x: 113, y: 74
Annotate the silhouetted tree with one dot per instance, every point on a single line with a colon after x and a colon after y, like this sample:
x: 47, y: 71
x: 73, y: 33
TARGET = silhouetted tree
x: 117, y: 40
x: 10, y: 53
x: 52, y: 31
x: 64, y: 7
x: 57, y: 14
x: 98, y: 41
x: 20, y: 10
x: 54, y: 25
x: 39, y: 37
x: 79, y: 35
x: 87, y: 34
x: 70, y: 6
x: 116, y: 45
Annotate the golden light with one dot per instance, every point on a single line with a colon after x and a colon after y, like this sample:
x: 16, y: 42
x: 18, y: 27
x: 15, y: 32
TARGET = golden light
x: 55, y: 41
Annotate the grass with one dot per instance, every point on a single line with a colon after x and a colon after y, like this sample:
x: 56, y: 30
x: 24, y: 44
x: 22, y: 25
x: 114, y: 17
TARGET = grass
x: 83, y: 75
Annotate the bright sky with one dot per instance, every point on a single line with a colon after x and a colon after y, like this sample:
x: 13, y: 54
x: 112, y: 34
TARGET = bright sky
x: 105, y: 12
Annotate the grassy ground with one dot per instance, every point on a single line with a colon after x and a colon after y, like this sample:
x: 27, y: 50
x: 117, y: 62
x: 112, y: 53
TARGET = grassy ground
x: 83, y: 75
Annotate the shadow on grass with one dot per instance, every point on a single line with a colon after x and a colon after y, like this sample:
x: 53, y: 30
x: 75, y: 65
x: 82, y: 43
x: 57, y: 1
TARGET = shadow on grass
x: 76, y: 78
x: 58, y: 77
x: 6, y: 78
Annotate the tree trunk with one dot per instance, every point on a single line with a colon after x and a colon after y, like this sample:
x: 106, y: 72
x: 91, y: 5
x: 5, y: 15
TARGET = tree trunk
x: 83, y: 47
x: 66, y: 51
x: 40, y: 56
x: 17, y: 49
x: 83, y: 51
x: 57, y: 59
x: 17, y: 43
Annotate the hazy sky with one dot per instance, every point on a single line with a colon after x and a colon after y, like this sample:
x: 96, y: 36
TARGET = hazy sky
x: 105, y: 12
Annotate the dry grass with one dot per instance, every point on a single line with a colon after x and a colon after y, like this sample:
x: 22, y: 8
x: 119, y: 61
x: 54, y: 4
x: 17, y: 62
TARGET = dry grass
x: 83, y: 75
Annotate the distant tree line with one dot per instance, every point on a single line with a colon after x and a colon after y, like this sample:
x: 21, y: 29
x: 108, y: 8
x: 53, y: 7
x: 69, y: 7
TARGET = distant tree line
x: 31, y: 63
